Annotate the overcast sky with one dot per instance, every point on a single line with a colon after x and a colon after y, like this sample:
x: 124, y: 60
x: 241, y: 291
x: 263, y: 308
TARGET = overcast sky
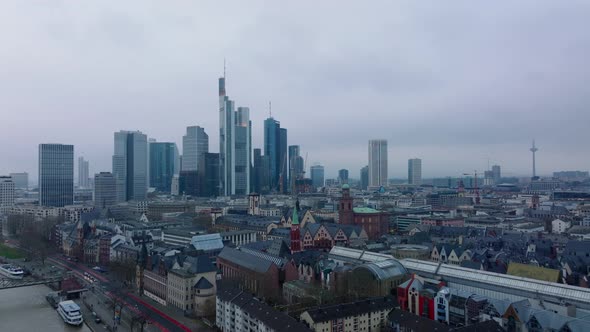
x: 452, y: 82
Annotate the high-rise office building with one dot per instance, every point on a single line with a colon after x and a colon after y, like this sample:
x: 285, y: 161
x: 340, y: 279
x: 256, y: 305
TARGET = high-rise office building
x: 163, y: 164
x: 21, y: 180
x: 243, y: 151
x: 105, y: 190
x: 257, y: 171
x: 235, y: 141
x: 378, y: 163
x: 294, y: 151
x: 271, y: 148
x: 317, y: 175
x: 194, y: 144
x: 56, y: 175
x: 83, y: 179
x: 364, y: 177
x: 188, y: 183
x: 275, y: 147
x: 6, y: 194
x: 296, y: 166
x: 209, y: 175
x: 343, y: 176
x: 415, y: 171
x: 130, y: 165
x: 497, y: 173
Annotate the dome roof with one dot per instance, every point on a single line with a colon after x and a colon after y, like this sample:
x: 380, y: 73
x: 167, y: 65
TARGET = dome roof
x: 345, y: 186
x: 384, y: 269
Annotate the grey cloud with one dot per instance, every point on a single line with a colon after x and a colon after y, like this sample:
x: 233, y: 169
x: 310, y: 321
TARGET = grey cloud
x: 454, y: 83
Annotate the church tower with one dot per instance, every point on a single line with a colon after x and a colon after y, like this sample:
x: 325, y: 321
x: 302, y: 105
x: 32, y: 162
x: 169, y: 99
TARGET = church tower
x: 345, y: 212
x: 295, y: 233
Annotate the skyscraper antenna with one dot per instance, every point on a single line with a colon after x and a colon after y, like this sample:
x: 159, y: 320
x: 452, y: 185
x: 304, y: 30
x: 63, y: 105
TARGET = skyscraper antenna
x: 223, y: 67
x: 269, y: 109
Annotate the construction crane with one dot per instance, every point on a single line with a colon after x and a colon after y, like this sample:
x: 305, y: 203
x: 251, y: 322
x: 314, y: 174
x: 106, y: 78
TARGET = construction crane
x: 475, y: 188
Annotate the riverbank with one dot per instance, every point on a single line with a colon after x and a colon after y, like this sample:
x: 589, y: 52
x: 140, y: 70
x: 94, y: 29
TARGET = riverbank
x: 25, y: 309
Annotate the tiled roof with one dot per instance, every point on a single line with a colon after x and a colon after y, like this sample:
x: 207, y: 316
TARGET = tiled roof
x: 273, y: 319
x: 203, y: 283
x: 245, y: 259
x: 339, y: 311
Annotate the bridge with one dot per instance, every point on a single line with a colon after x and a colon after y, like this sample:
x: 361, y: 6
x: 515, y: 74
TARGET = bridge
x: 16, y: 283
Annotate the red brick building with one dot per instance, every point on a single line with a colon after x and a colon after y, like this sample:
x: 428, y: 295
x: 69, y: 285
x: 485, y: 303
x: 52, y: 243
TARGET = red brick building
x: 258, y: 272
x: 374, y: 222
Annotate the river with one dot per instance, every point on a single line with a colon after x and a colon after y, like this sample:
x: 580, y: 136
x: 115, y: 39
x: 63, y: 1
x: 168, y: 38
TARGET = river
x: 25, y: 309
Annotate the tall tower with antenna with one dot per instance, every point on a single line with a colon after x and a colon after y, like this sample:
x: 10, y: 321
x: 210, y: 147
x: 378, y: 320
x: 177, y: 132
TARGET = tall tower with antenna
x: 534, y: 150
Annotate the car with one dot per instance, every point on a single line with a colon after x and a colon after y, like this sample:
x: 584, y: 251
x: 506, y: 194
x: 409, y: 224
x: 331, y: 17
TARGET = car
x: 97, y: 320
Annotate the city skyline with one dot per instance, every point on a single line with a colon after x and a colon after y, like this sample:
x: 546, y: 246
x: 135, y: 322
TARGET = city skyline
x: 481, y: 112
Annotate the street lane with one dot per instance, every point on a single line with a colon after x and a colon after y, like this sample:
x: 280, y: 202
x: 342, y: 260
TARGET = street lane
x: 131, y: 301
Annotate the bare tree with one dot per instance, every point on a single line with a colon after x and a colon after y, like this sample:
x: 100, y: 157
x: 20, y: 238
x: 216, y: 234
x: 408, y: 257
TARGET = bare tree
x: 35, y: 237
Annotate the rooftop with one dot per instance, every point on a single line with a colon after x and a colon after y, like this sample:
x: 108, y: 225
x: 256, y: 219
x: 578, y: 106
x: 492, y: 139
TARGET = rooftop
x: 274, y: 319
x: 363, y: 210
x: 517, y: 286
x: 338, y: 311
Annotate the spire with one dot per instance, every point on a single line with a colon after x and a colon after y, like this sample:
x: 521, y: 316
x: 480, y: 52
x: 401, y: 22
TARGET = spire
x: 295, y: 218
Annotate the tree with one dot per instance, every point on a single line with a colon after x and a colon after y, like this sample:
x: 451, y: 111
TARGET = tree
x: 35, y: 237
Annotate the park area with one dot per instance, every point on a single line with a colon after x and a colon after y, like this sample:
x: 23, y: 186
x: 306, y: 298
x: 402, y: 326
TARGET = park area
x: 10, y: 253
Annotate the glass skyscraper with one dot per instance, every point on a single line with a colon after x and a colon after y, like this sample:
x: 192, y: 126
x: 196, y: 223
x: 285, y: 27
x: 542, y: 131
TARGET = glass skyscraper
x: 364, y: 177
x: 275, y: 147
x: 317, y: 175
x: 105, y: 190
x: 163, y: 165
x: 235, y: 141
x: 56, y: 175
x: 130, y: 165
x: 194, y: 144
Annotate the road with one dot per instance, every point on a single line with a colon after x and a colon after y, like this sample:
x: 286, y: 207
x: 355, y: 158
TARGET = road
x: 132, y: 302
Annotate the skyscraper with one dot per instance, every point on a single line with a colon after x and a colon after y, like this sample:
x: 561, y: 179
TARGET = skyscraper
x: 56, y: 175
x: 415, y: 171
x: 83, y: 180
x: 234, y: 145
x: 163, y: 164
x: 257, y: 171
x: 6, y: 194
x: 130, y: 165
x: 105, y: 190
x: 271, y: 149
x: 275, y: 147
x: 243, y: 151
x: 364, y: 177
x: 194, y: 144
x: 343, y: 176
x: 294, y: 151
x: 377, y: 163
x: 21, y: 180
x: 209, y: 175
x: 317, y: 175
x: 497, y: 173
